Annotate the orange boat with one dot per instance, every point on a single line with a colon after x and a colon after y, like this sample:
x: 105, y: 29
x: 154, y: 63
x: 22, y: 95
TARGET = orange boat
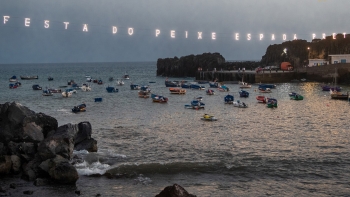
x: 177, y: 91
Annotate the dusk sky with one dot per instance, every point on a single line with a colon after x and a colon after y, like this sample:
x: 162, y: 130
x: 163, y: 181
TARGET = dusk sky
x: 39, y: 43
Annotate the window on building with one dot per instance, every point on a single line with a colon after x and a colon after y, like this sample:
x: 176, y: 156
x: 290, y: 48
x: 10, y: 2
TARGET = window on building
x: 343, y: 61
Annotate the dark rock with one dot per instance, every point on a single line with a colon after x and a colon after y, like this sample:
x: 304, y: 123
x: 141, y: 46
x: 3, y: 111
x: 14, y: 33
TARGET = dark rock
x: 2, y: 190
x: 28, y: 192
x: 16, y: 164
x: 174, y: 191
x: 13, y: 186
x: 3, y: 149
x: 97, y: 195
x: 62, y: 171
x: 31, y: 169
x: 5, y: 164
x: 89, y: 145
x: 41, y: 182
x: 84, y: 132
x: 56, y: 145
x: 77, y: 192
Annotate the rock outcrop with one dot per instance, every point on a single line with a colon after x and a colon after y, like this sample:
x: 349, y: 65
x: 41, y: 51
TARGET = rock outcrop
x: 33, y: 144
x: 174, y: 191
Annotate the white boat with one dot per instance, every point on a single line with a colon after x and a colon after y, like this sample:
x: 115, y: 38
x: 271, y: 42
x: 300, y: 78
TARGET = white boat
x: 245, y: 85
x: 85, y: 88
x: 239, y: 104
x: 67, y: 94
x: 88, y: 78
x: 120, y: 82
x: 126, y: 76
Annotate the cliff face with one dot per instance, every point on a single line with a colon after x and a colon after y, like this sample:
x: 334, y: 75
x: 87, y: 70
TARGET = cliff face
x: 299, y: 51
x: 188, y: 65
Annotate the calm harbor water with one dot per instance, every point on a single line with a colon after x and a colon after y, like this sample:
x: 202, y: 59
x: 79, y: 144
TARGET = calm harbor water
x: 300, y: 148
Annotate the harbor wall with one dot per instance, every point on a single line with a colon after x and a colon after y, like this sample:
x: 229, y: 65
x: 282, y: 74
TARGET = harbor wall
x: 325, y: 73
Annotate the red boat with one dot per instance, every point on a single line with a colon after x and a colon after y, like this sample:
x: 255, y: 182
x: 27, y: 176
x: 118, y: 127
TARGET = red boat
x: 262, y: 99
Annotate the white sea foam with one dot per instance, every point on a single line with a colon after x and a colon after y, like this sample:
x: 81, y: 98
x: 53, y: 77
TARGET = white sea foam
x: 81, y: 152
x: 94, y: 168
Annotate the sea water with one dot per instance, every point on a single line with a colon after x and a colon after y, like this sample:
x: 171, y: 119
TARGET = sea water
x: 300, y: 148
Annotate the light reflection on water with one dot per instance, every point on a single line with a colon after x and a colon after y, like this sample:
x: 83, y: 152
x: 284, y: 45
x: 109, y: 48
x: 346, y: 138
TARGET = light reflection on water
x: 297, y: 139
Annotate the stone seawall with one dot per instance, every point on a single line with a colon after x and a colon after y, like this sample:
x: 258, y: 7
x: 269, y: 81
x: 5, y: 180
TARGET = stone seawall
x: 326, y: 73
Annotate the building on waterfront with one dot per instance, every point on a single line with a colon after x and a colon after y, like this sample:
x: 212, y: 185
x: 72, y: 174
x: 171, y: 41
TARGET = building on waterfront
x: 317, y: 62
x: 339, y: 58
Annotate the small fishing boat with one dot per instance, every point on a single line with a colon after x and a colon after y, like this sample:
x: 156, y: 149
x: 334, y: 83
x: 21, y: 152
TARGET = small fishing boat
x: 18, y: 84
x: 185, y: 85
x: 261, y: 99
x: 98, y: 99
x: 295, y: 96
x: 198, y: 98
x: 265, y: 90
x: 271, y: 86
x: 50, y: 78
x: 145, y: 89
x: 79, y: 108
x: 37, y: 87
x: 47, y: 92
x: 12, y: 86
x: 13, y: 79
x: 239, y: 104
x: 171, y: 83
x: 134, y: 87
x: 110, y: 79
x: 339, y: 95
x: 174, y: 90
x: 126, y: 76
x: 88, y: 78
x: 29, y: 77
x: 333, y: 88
x: 85, y: 87
x: 210, y: 92
x: 197, y: 87
x: 214, y: 84
x: 53, y: 90
x: 159, y: 99
x: 120, y: 82
x: 111, y: 89
x: 271, y: 103
x: 229, y: 99
x: 143, y: 94
x: 243, y: 93
x: 245, y: 85
x: 67, y: 93
x: 197, y: 104
x: 223, y: 88
x: 93, y: 81
x: 71, y: 82
x: 100, y: 82
x: 207, y: 117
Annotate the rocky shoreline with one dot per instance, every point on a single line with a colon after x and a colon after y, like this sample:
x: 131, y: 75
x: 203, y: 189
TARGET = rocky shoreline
x: 34, y: 148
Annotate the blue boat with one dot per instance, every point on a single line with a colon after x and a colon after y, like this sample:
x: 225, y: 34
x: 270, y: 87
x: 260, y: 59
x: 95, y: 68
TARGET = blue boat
x: 243, y: 93
x: 13, y: 78
x: 98, y: 99
x: 145, y: 89
x: 47, y: 92
x: 134, y: 87
x: 264, y: 86
x: 185, y: 85
x: 195, y: 104
x: 229, y: 99
x: 36, y: 87
x: 12, y: 86
x: 158, y: 98
x: 111, y: 89
x: 327, y: 88
x: 214, y: 84
x: 197, y: 87
x: 271, y: 103
x: 171, y: 84
x: 223, y: 88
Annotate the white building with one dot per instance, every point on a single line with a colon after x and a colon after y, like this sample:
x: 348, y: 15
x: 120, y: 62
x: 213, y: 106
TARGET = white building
x: 340, y: 58
x: 317, y: 62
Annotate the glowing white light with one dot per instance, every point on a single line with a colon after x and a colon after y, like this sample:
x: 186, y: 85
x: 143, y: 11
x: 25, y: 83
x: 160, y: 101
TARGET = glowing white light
x: 295, y: 37
x: 66, y: 25
x: 186, y: 34
x: 27, y: 22
x: 313, y: 36
x: 213, y: 36
x: 157, y: 32
x: 344, y: 34
x: 261, y: 36
x: 273, y: 37
x: 114, y: 29
x: 131, y: 31
x: 85, y: 27
x: 6, y: 18
x: 323, y: 36
x: 172, y: 33
x: 200, y: 35
x: 249, y: 36
x: 237, y: 36
x: 46, y: 24
x: 334, y: 34
x: 284, y: 36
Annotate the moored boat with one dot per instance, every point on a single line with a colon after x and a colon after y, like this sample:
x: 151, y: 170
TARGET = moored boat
x: 50, y: 78
x: 159, y: 99
x: 197, y: 104
x: 223, y: 88
x: 53, y: 90
x: 143, y: 94
x: 37, y: 87
x: 134, y: 87
x: 47, y: 92
x: 12, y: 86
x: 207, y: 117
x: 126, y: 76
x: 295, y: 96
x: 271, y: 103
x: 229, y: 99
x: 338, y: 95
x: 245, y: 85
x: 261, y: 99
x: 265, y: 90
x: 111, y: 89
x: 120, y: 82
x: 271, y: 86
x: 243, y: 93
x: 174, y: 90
x: 333, y: 88
x: 210, y: 92
x: 171, y: 83
x: 214, y: 84
x: 13, y: 79
x: 29, y: 77
x: 79, y: 108
x: 239, y: 104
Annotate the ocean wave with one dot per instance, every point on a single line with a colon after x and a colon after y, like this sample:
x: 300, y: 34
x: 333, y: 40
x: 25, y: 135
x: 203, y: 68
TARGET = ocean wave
x: 85, y: 168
